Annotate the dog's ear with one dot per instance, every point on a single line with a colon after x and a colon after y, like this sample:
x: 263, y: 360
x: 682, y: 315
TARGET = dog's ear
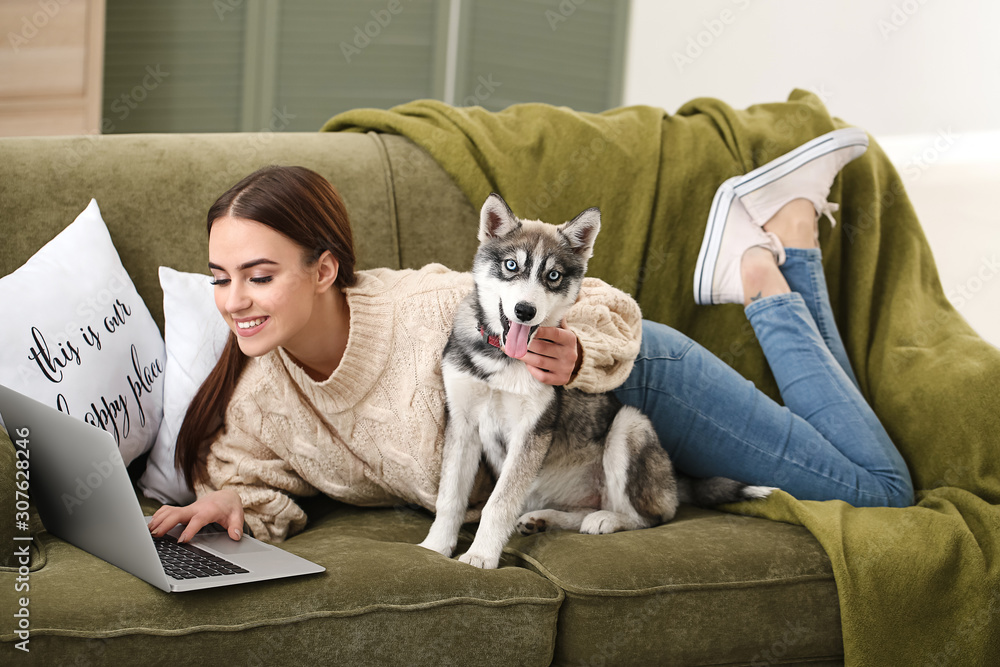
x: 496, y: 219
x: 581, y: 231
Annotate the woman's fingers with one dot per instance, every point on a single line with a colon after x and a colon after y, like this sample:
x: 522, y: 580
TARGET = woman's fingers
x: 544, y: 348
x: 552, y: 355
x: 544, y: 376
x: 166, y: 518
x: 159, y: 514
x: 223, y: 507
x: 555, y: 336
x: 236, y: 524
x: 197, y: 522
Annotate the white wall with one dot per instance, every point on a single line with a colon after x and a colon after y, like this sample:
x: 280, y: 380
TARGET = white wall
x: 922, y: 76
x: 891, y: 66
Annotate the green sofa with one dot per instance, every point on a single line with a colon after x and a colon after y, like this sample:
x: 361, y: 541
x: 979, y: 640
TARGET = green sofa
x: 709, y: 588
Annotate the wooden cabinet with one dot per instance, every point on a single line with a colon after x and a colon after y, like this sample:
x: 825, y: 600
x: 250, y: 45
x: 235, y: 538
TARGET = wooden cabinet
x: 51, y: 66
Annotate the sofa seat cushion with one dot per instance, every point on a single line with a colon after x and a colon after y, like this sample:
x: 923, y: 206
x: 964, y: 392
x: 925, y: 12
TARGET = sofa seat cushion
x: 708, y: 588
x: 382, y: 600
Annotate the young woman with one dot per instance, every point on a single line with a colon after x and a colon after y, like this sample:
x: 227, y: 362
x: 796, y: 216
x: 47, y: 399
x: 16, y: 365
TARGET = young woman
x: 330, y: 382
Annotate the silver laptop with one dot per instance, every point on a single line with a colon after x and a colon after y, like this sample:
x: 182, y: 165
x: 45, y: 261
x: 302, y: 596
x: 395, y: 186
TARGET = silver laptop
x: 84, y: 496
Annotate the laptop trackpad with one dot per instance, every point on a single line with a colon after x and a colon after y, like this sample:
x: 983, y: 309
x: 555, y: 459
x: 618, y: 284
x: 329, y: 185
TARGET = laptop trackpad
x: 226, y: 545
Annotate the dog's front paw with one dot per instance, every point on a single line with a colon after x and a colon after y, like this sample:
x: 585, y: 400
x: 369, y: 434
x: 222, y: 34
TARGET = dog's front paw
x: 530, y: 524
x: 601, y: 522
x: 443, y: 548
x: 480, y: 561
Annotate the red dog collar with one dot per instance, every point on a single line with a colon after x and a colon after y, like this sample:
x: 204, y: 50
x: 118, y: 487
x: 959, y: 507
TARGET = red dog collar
x: 487, y: 338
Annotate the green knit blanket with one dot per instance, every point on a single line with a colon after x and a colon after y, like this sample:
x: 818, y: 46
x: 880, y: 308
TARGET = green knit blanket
x: 917, y: 586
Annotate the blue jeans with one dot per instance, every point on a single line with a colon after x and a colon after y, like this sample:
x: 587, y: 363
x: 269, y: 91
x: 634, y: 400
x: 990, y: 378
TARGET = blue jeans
x: 824, y: 443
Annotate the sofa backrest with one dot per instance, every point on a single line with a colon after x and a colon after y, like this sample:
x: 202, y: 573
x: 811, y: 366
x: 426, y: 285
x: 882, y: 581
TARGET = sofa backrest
x: 154, y: 191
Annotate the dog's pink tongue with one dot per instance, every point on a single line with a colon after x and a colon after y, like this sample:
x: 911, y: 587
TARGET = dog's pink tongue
x: 517, y: 340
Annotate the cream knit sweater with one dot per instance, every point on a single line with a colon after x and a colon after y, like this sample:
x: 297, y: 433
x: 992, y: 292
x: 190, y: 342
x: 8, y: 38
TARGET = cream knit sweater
x: 372, y: 433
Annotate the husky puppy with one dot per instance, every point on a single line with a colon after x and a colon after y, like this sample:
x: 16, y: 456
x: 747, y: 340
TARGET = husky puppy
x: 569, y: 459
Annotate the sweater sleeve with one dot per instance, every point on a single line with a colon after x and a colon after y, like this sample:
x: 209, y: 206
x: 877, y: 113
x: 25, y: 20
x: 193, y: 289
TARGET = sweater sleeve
x: 608, y: 324
x: 238, y: 460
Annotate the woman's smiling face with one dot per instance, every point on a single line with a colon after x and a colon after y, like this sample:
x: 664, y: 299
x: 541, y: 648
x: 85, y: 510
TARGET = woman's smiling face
x: 263, y: 287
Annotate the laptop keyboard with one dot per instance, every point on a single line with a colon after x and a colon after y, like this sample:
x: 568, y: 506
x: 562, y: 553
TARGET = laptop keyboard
x: 183, y: 561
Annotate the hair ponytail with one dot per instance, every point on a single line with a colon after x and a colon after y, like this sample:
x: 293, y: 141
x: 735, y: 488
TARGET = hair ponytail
x: 305, y: 207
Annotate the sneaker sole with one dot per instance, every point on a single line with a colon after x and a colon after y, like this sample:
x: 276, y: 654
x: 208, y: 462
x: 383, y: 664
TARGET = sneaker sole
x: 807, y: 152
x: 709, y: 255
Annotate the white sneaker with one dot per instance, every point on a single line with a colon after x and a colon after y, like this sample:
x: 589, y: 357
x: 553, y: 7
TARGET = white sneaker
x: 804, y: 173
x: 730, y: 232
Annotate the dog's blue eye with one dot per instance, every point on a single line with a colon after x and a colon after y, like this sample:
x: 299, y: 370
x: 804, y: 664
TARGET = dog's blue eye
x: 554, y: 275
x: 510, y: 265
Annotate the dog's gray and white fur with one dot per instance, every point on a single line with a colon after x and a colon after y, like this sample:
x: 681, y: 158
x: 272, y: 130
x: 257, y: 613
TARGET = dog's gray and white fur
x: 570, y: 459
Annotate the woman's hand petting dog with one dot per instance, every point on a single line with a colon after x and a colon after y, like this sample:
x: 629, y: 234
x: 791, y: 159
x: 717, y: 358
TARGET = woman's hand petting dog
x: 554, y: 356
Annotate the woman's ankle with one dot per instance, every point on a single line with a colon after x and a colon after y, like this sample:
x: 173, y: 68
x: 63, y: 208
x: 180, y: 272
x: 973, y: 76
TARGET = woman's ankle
x: 760, y: 275
x: 795, y: 225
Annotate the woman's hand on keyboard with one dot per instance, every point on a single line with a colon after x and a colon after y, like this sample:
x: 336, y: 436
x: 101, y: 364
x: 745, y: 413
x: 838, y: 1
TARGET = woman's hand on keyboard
x: 223, y: 507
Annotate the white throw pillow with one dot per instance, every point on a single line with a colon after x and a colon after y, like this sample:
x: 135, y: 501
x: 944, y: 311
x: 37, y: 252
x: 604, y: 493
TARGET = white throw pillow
x: 79, y: 338
x: 195, y: 335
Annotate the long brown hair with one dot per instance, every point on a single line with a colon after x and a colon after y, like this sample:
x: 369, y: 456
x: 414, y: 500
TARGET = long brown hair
x: 305, y: 207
